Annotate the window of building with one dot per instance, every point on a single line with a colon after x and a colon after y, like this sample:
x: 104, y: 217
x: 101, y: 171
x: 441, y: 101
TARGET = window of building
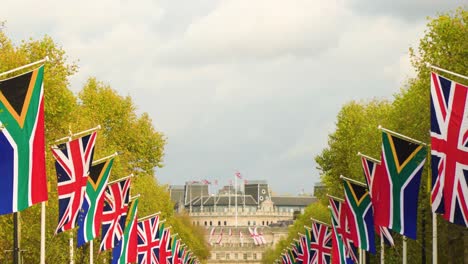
x: 245, y: 255
x: 219, y: 223
x: 254, y: 223
x: 248, y: 223
x: 211, y: 223
x: 236, y: 256
x: 228, y: 256
x: 263, y: 222
x: 206, y: 223
x: 225, y: 223
x: 254, y: 255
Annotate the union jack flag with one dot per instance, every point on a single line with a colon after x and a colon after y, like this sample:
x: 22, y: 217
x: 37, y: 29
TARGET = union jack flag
x: 340, y: 224
x: 72, y: 162
x: 303, y: 255
x: 148, y: 240
x: 449, y: 149
x: 165, y: 253
x: 116, y: 200
x: 320, y: 244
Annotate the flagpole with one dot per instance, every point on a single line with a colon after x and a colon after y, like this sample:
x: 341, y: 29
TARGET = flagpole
x: 43, y: 223
x: 85, y: 132
x: 369, y: 158
x: 235, y: 192
x: 405, y: 260
x: 121, y: 179
x: 25, y: 66
x: 148, y: 216
x: 382, y: 249
x: 320, y: 222
x: 434, y: 238
x: 71, y: 248
x: 353, y: 181
x: 402, y: 136
x: 105, y: 158
x: 91, y: 259
x: 16, y: 238
x: 447, y: 71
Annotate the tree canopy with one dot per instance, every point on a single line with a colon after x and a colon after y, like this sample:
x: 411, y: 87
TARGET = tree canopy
x: 140, y: 148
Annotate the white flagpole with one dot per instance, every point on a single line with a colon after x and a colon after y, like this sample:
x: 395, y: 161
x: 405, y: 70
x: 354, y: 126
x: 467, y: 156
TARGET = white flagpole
x: 434, y: 238
x: 447, y: 71
x: 405, y: 257
x: 235, y: 192
x: 382, y: 249
x: 43, y: 223
x: 72, y: 261
x: 91, y: 260
x: 25, y: 66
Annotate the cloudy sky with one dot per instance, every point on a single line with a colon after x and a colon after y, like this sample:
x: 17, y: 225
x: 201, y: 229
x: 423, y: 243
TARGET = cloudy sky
x: 248, y: 85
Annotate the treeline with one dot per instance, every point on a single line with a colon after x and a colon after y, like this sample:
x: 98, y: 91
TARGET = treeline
x: 141, y: 150
x: 445, y: 44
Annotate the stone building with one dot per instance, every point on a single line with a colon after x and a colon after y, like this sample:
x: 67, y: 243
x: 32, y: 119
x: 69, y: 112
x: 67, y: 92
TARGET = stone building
x: 233, y: 220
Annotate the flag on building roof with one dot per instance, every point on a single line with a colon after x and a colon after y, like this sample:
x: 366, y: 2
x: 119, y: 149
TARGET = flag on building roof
x: 397, y: 195
x: 72, y: 163
x: 89, y: 218
x: 22, y: 143
x: 360, y: 215
x: 116, y: 200
x: 220, y: 237
x: 148, y: 240
x: 125, y: 250
x: 449, y: 149
x: 238, y: 175
x: 370, y: 168
x: 320, y: 244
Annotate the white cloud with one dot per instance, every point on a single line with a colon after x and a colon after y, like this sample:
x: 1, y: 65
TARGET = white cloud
x: 234, y: 84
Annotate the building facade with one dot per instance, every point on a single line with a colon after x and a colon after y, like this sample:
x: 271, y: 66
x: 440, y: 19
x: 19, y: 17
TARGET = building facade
x: 239, y: 225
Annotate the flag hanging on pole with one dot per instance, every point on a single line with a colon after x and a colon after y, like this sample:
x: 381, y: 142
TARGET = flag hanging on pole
x: 22, y: 142
x: 116, y: 200
x: 370, y: 168
x: 449, y: 149
x: 72, y: 163
x: 320, y: 244
x: 360, y: 215
x: 165, y: 253
x: 399, y: 184
x: 303, y: 255
x: 89, y: 217
x: 148, y: 240
x: 340, y: 225
x: 126, y: 249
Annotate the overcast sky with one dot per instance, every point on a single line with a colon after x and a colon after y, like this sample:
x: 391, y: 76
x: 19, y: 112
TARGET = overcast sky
x: 248, y: 85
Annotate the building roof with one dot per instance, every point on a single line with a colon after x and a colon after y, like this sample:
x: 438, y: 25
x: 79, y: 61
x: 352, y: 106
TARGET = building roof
x: 293, y: 200
x: 224, y: 200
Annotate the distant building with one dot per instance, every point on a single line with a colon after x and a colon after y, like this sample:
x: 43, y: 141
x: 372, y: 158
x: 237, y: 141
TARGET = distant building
x: 226, y: 213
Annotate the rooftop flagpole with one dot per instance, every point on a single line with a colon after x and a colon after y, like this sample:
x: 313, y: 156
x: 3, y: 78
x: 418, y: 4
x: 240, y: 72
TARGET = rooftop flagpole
x: 25, y: 66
